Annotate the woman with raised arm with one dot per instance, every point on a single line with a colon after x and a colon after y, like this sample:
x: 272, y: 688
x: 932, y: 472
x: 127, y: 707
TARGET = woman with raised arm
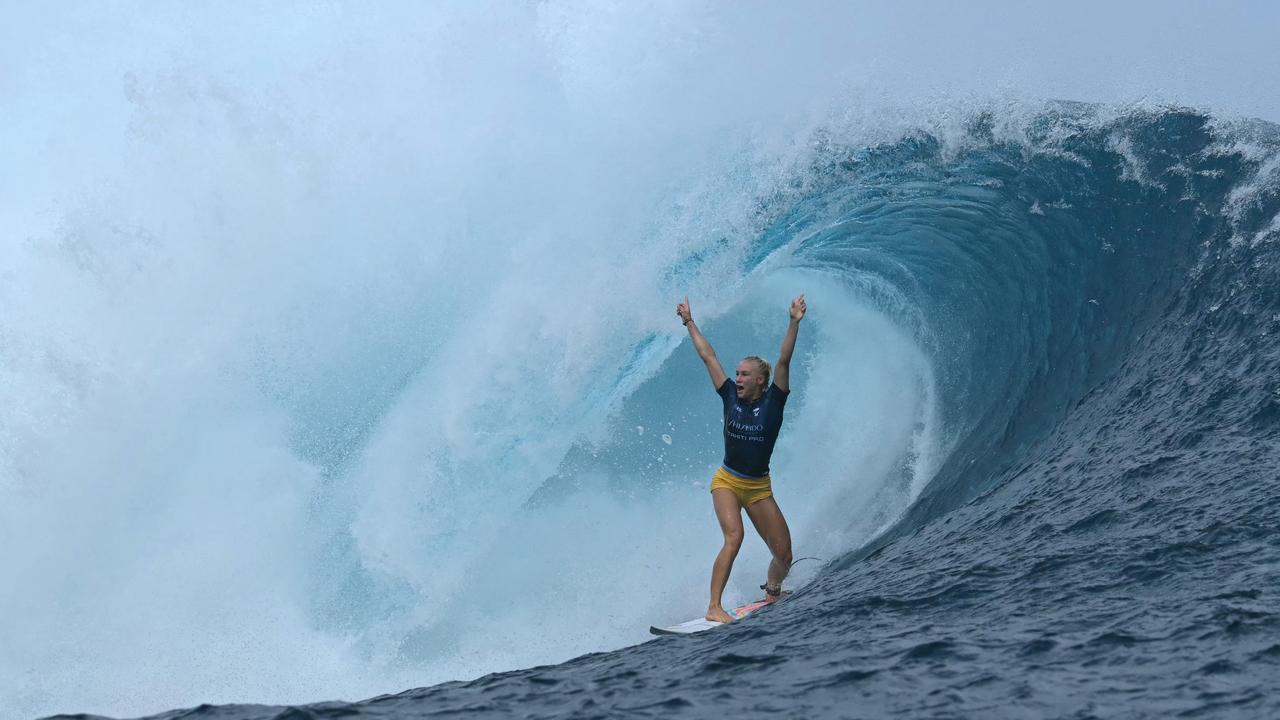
x: 752, y: 419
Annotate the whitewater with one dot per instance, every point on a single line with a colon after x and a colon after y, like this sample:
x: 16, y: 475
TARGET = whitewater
x: 340, y: 373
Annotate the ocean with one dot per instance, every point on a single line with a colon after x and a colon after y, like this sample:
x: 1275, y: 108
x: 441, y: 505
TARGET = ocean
x: 348, y: 388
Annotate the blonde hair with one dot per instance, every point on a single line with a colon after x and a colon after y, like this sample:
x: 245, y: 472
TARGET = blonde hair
x: 762, y: 364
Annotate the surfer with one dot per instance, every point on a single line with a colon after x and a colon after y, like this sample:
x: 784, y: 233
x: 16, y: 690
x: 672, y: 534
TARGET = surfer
x: 752, y: 419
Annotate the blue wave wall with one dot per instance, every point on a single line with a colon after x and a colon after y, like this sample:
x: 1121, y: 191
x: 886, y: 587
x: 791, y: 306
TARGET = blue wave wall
x: 1039, y: 265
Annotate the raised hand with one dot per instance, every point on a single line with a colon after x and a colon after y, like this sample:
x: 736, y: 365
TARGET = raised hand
x: 797, y: 307
x: 683, y: 311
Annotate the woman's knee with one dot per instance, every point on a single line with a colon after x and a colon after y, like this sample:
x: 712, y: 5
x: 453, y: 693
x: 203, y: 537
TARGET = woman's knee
x: 733, y: 540
x: 782, y: 552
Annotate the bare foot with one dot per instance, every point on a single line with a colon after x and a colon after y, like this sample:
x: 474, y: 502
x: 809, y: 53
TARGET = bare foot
x: 717, y: 614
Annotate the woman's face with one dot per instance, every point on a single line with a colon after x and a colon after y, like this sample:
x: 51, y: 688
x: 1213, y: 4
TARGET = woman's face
x: 750, y: 380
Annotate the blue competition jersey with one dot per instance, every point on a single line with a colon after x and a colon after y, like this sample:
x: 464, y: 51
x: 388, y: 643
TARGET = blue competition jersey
x: 750, y: 429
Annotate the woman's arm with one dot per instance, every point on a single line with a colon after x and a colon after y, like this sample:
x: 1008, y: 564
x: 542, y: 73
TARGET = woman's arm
x: 782, y: 369
x: 700, y: 344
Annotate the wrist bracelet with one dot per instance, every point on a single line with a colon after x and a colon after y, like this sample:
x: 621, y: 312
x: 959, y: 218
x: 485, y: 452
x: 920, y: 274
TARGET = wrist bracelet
x: 686, y: 322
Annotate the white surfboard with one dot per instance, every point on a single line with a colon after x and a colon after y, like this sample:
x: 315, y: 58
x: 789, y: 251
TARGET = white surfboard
x: 699, y: 624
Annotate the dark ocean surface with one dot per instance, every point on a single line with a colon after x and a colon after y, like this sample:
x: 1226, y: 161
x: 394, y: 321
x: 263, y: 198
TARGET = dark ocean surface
x: 1102, y: 294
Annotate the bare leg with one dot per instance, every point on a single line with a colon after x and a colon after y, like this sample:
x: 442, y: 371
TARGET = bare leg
x: 767, y: 518
x: 729, y: 513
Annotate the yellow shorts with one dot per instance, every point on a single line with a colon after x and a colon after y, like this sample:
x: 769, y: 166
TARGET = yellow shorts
x: 748, y: 491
